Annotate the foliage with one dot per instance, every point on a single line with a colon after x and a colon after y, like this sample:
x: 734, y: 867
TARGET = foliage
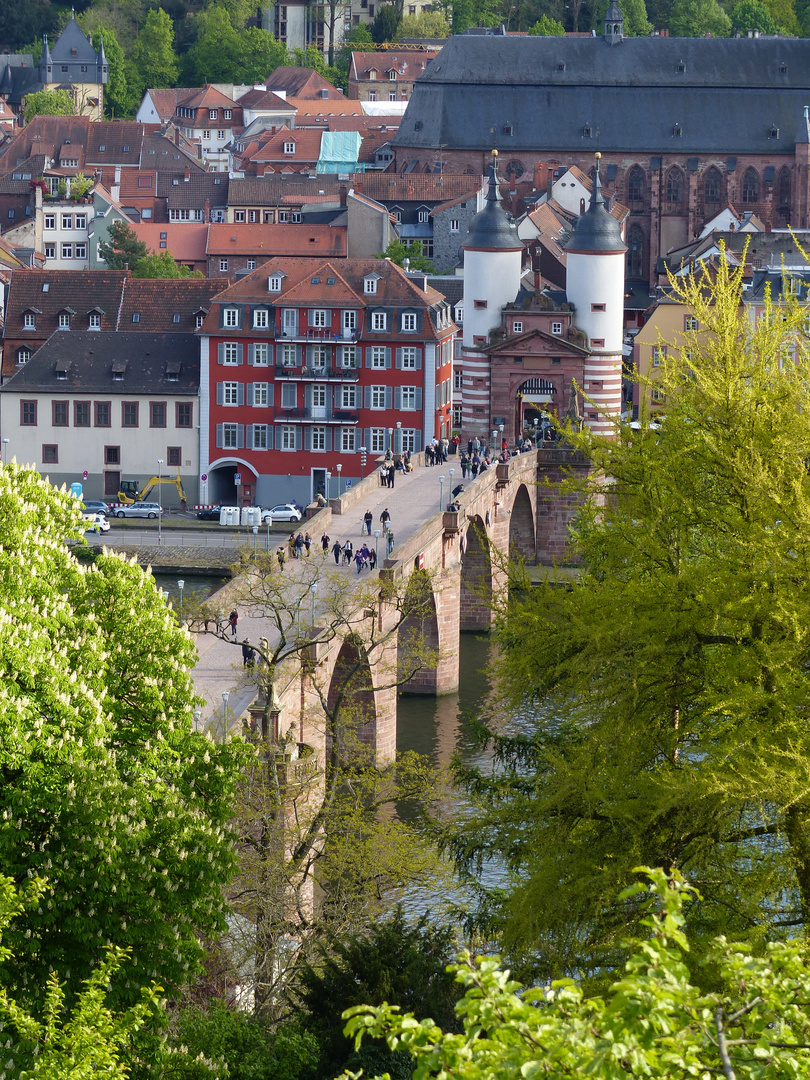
x: 427, y: 24
x: 122, y: 249
x: 668, y: 687
x: 385, y: 24
x: 653, y: 1022
x: 783, y: 14
x: 49, y: 103
x: 233, y: 1040
x: 394, y: 962
x: 107, y: 791
x: 152, y: 59
x: 696, y: 18
x: 636, y: 23
x: 162, y: 265
x: 223, y: 54
x: 23, y: 21
x: 545, y: 27
x: 752, y: 15
x: 314, y: 804
x: 464, y: 14
x: 118, y: 98
x: 398, y: 251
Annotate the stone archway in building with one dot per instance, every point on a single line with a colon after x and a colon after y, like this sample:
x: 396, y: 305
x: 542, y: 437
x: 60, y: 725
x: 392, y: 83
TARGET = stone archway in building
x: 418, y: 641
x: 522, y: 530
x: 476, y: 578
x: 535, y: 398
x: 221, y: 486
x: 351, y: 704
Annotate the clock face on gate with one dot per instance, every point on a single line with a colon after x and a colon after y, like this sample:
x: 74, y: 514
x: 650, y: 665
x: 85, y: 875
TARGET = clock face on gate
x: 515, y: 167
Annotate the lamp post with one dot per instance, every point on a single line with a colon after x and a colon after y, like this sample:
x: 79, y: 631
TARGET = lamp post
x: 339, y: 471
x: 225, y: 696
x: 197, y: 715
x: 255, y: 534
x: 328, y: 486
x: 452, y: 472
x: 160, y: 501
x: 534, y: 422
x: 181, y: 585
x: 391, y: 439
x: 398, y: 449
x: 268, y: 534
x: 500, y: 429
x: 5, y: 451
x: 313, y: 589
x: 441, y: 493
x: 376, y: 546
x: 363, y: 452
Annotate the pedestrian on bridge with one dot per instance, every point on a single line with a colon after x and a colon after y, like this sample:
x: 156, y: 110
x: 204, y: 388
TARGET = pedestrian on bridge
x: 337, y: 547
x: 465, y: 465
x: 391, y: 474
x: 325, y: 544
x: 385, y: 519
x: 307, y: 543
x: 372, y: 559
x: 281, y: 555
x: 348, y: 552
x: 233, y: 619
x: 368, y: 521
x: 299, y: 545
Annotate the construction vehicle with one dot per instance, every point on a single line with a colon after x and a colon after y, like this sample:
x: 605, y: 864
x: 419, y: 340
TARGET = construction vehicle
x: 129, y: 492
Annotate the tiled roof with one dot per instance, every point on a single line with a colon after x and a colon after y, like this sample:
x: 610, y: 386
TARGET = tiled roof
x: 475, y: 185
x: 114, y: 142
x: 307, y: 146
x: 366, y: 125
x: 408, y: 65
x: 166, y: 101
x: 207, y: 97
x: 324, y: 241
x: 280, y: 191
x: 89, y: 357
x: 192, y: 194
x: 301, y: 82
x: 160, y: 152
x: 416, y: 187
x: 325, y: 107
x: 264, y: 99
x: 185, y: 240
x: 42, y: 135
x: 33, y: 165
x: 156, y: 302
x: 52, y: 291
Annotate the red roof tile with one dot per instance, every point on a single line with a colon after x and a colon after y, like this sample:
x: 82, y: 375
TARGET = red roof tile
x: 323, y: 241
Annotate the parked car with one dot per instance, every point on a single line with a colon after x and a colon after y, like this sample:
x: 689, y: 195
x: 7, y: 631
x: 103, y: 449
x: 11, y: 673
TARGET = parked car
x: 96, y: 523
x: 92, y: 506
x: 139, y: 510
x: 285, y: 512
x: 211, y: 514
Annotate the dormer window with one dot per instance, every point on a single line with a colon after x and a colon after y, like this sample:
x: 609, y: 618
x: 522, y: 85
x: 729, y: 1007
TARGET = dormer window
x: 274, y: 283
x: 561, y: 66
x: 228, y: 114
x: 774, y: 133
x: 587, y: 131
x: 372, y: 74
x: 392, y: 76
x: 94, y: 321
x: 64, y: 320
x: 61, y: 370
x: 119, y: 370
x: 289, y: 147
x: 230, y: 317
x: 783, y: 69
x: 676, y: 131
x: 424, y: 217
x: 680, y: 67
x: 370, y: 285
x: 29, y: 321
x: 260, y: 318
x: 136, y: 316
x: 507, y: 129
x: 212, y: 114
x: 379, y: 320
x: 199, y: 318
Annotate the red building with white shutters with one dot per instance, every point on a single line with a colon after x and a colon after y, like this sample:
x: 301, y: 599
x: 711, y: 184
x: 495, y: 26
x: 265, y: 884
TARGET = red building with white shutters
x: 304, y: 364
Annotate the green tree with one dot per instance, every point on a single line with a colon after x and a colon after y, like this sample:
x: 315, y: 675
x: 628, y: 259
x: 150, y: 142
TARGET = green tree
x: 783, y: 13
x: 24, y: 21
x: 696, y: 18
x: 222, y: 53
x: 636, y: 23
x: 153, y: 62
x: 427, y: 24
x: 49, y: 103
x: 385, y: 24
x: 118, y: 98
x: 398, y: 251
x: 162, y: 265
x: 107, y: 793
x: 668, y: 687
x: 395, y: 962
x: 123, y: 248
x: 653, y: 1021
x: 546, y: 27
x: 464, y: 14
x: 752, y: 15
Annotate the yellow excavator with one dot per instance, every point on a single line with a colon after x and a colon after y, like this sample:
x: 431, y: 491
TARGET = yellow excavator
x: 129, y: 492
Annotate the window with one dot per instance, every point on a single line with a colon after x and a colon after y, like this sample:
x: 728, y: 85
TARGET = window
x: 479, y: 304
x: 112, y: 455
x: 635, y: 185
x: 230, y: 393
x: 392, y: 95
x: 457, y: 416
x: 59, y: 413
x: 289, y: 396
x: 377, y: 440
x: 409, y: 321
x: 230, y: 352
x: 80, y: 251
x: 319, y: 438
x: 50, y: 454
x: 50, y: 251
x: 408, y: 397
x: 287, y: 437
x: 348, y: 397
x: 28, y: 413
x: 319, y: 318
x: 407, y: 438
x: 284, y: 217
x: 67, y: 221
x: 103, y: 411
x: 348, y: 357
x: 379, y: 320
x: 454, y: 225
x: 347, y: 439
x: 274, y: 283
x: 409, y: 358
x: 23, y: 355
x: 213, y: 114
x: 260, y: 436
x: 64, y: 320
x: 517, y: 327
x: 658, y: 395
x: 260, y: 318
x: 185, y: 215
x: 690, y: 322
x: 94, y: 321
x: 269, y: 216
x: 81, y: 414
x: 50, y: 221
x: 81, y: 221
x: 370, y: 285
x: 556, y: 328
x: 230, y: 436
x: 750, y: 186
x: 378, y: 357
x: 227, y: 114
x: 251, y: 264
x: 319, y: 356
x: 289, y: 147
x: 635, y: 253
x: 67, y: 251
x: 658, y: 354
x: 199, y: 319
x: 296, y: 217
x: 261, y: 393
x: 260, y: 354
x: 597, y: 342
x: 223, y: 267
x: 230, y: 315
x: 29, y: 320
x: 349, y: 320
x: 239, y: 216
x: 220, y: 133
x: 674, y: 186
x: 424, y: 217
x: 378, y: 397
x: 372, y: 95
x: 129, y: 414
x: 784, y: 188
x: 157, y: 414
x: 597, y: 307
x: 288, y: 355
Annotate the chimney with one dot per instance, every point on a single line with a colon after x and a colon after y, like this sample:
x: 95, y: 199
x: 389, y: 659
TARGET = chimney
x: 324, y: 93
x: 186, y: 174
x: 768, y: 226
x: 207, y: 211
x: 343, y: 194
x: 550, y: 182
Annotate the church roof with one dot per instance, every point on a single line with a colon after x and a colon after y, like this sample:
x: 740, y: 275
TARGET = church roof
x: 72, y: 45
x: 568, y: 94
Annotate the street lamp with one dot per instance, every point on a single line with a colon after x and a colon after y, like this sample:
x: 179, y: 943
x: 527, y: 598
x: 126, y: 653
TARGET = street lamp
x: 225, y: 696
x: 391, y: 439
x: 441, y: 493
x: 5, y: 449
x: 452, y: 472
x: 363, y: 452
x: 328, y: 486
x: 160, y: 501
x: 376, y: 546
x: 181, y: 585
x: 255, y: 534
x: 313, y: 588
x: 197, y: 715
x: 339, y: 471
x: 399, y: 438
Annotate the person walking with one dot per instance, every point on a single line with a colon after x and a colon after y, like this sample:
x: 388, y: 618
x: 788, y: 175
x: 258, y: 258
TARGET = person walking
x: 385, y: 518
x: 465, y: 465
x: 372, y: 559
x: 359, y: 560
x: 292, y: 545
x: 337, y: 547
x: 390, y: 541
x: 392, y: 472
x: 348, y: 552
x: 325, y: 544
x: 368, y: 521
x: 233, y: 619
x: 280, y: 555
x: 299, y: 545
x: 248, y: 654
x: 307, y: 543
x: 429, y: 455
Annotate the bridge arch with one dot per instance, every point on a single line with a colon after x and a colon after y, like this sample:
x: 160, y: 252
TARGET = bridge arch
x: 522, y: 530
x: 476, y: 578
x: 418, y: 639
x: 351, y: 701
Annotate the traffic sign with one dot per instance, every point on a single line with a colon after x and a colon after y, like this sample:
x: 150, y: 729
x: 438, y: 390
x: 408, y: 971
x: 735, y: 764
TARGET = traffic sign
x: 237, y: 478
x: 204, y: 477
x: 84, y: 475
